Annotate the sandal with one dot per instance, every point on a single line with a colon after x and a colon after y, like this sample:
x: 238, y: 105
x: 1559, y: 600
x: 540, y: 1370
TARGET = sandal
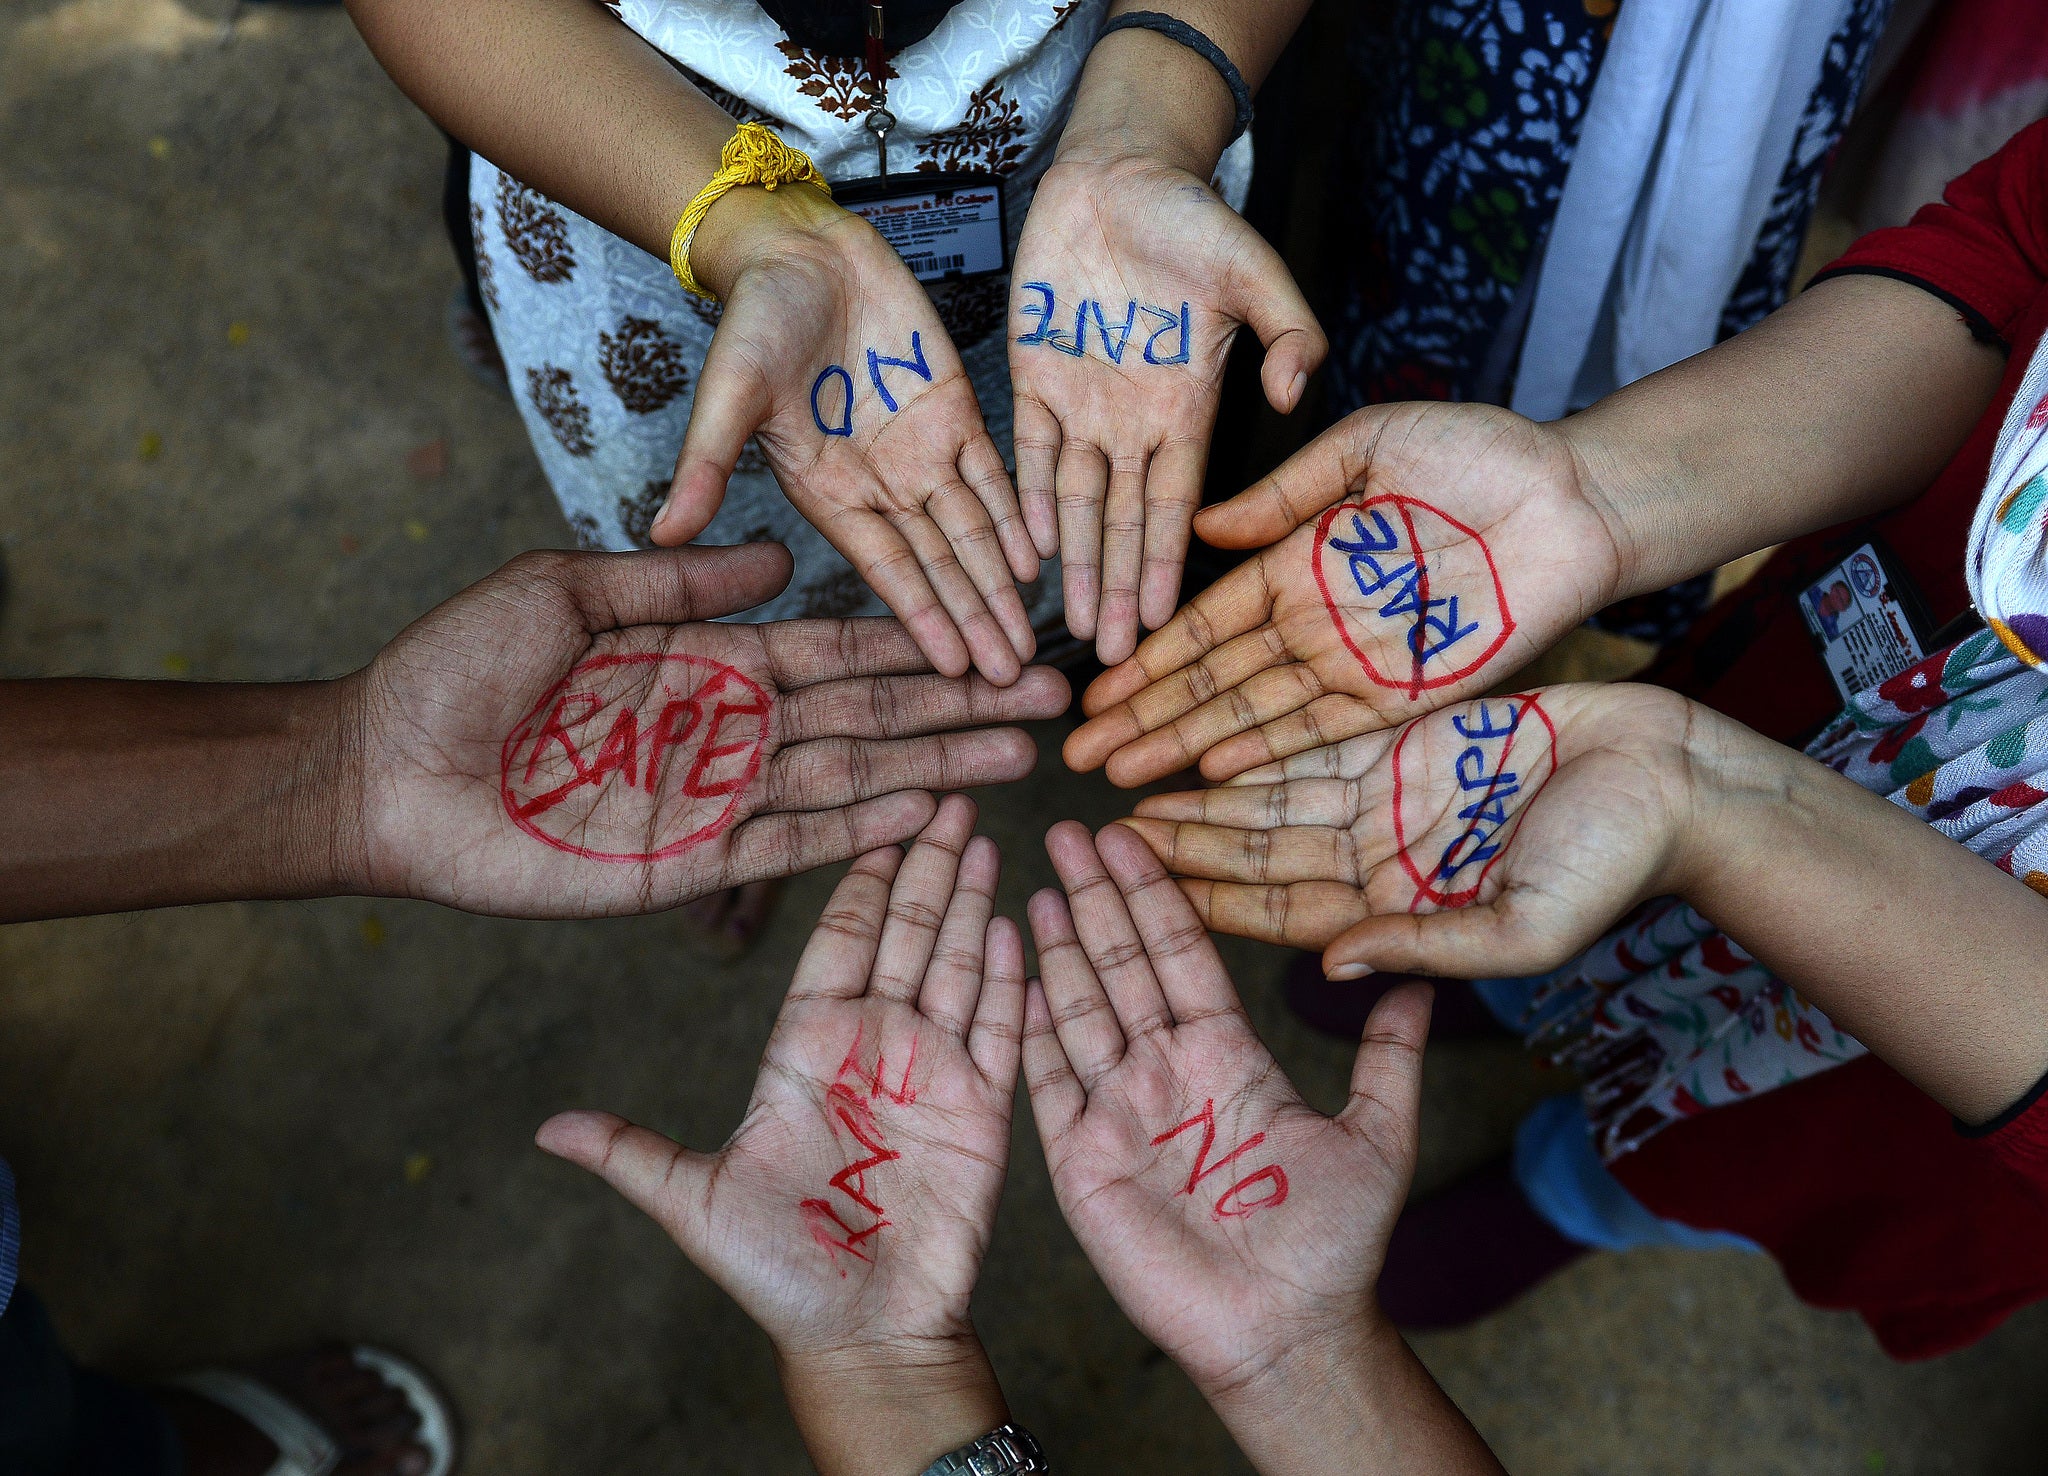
x: 304, y: 1446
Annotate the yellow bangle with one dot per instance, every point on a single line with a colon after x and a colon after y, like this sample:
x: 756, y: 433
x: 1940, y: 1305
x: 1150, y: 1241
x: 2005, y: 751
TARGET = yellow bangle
x: 754, y: 155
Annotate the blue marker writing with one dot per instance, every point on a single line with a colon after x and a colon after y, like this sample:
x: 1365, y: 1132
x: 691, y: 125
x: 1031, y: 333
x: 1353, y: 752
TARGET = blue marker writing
x: 845, y: 426
x: 915, y: 364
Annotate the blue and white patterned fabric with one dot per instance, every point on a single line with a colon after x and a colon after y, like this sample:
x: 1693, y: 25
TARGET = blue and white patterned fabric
x: 10, y: 1236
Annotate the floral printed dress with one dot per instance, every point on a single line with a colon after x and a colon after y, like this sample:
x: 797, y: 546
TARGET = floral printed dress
x: 604, y: 348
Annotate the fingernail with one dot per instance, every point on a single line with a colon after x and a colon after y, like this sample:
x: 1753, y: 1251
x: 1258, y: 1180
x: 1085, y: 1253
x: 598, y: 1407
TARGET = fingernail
x: 1344, y: 973
x: 1296, y: 386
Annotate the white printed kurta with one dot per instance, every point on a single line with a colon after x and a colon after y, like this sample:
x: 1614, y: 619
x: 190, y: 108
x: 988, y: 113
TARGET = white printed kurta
x: 604, y: 348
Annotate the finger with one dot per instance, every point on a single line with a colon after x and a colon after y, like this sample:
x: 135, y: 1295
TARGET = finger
x: 1324, y: 471
x: 954, y: 978
x: 733, y: 401
x: 1274, y: 308
x: 1298, y: 853
x: 919, y: 900
x: 995, y: 1041
x: 1036, y: 437
x: 1300, y: 915
x: 981, y: 467
x: 1261, y: 806
x: 665, y: 587
x: 1183, y: 959
x: 1173, y: 490
x: 1326, y: 722
x: 1102, y: 917
x: 840, y: 956
x: 1083, y: 483
x: 1235, y: 605
x: 829, y: 772
x: 785, y: 844
x: 1386, y: 1080
x: 659, y: 1177
x: 1140, y: 718
x: 1349, y: 758
x: 1484, y: 942
x: 1182, y: 742
x: 899, y: 707
x: 1123, y: 557
x: 800, y: 652
x: 886, y: 560
x: 1057, y: 1096
x: 976, y: 543
x: 987, y: 643
x: 1089, y: 1036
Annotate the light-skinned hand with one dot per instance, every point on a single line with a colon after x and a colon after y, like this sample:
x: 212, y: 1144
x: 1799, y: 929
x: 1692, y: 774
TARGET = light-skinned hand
x: 1336, y: 627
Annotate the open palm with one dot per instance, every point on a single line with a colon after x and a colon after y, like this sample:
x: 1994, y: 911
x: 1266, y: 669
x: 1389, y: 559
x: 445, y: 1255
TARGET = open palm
x: 1410, y: 556
x: 573, y: 738
x: 1491, y: 838
x: 1131, y: 280
x: 855, y: 1201
x: 1227, y: 1217
x: 832, y: 356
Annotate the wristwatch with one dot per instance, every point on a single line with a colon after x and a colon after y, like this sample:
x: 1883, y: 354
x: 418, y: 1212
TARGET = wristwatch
x: 1007, y: 1450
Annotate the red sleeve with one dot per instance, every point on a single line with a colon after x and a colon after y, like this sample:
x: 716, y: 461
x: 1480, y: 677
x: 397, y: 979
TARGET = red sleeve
x: 1983, y: 249
x: 2018, y: 1136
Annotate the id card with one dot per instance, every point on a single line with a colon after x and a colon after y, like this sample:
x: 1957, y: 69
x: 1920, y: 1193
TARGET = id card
x: 942, y: 225
x: 1860, y: 616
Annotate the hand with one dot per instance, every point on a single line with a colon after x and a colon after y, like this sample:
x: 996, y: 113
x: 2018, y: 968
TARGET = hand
x: 1131, y: 280
x: 1468, y: 542
x: 1493, y: 838
x: 569, y: 739
x: 832, y: 356
x: 850, y: 1212
x: 1239, y: 1228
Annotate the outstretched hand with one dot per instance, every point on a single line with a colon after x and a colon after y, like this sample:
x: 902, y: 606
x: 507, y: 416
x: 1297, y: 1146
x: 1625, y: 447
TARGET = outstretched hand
x: 1132, y: 278
x: 572, y: 738
x: 851, y: 1209
x: 1236, y: 1225
x: 1410, y: 556
x: 832, y: 356
x: 1493, y: 838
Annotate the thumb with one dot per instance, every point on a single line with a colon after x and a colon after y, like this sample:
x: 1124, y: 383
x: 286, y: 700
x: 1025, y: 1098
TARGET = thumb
x: 1272, y: 306
x: 1321, y: 473
x: 1386, y: 1079
x: 672, y: 586
x: 660, y: 1178
x: 733, y: 399
x: 1482, y: 942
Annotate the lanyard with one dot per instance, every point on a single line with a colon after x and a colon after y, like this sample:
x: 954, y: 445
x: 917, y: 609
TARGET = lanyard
x: 879, y: 120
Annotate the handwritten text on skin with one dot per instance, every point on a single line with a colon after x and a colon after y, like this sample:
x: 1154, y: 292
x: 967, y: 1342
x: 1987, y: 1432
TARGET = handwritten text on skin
x: 1413, y: 593
x: 1494, y: 771
x: 663, y: 772
x: 1112, y: 330
x: 832, y: 390
x: 1238, y: 1200
x: 850, y: 1102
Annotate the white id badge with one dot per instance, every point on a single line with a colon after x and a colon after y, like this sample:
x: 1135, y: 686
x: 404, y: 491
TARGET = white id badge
x: 1860, y: 621
x: 941, y: 225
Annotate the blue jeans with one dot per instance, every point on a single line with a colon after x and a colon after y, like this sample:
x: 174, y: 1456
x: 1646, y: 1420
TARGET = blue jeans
x: 1559, y: 1172
x: 57, y: 1419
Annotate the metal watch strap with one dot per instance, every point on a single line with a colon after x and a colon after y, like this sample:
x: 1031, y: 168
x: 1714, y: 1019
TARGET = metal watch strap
x: 1007, y: 1450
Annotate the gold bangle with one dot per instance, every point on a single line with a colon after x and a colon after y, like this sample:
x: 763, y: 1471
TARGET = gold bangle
x: 753, y: 155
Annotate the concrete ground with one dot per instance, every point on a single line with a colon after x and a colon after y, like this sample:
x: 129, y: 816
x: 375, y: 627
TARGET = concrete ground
x: 241, y: 1127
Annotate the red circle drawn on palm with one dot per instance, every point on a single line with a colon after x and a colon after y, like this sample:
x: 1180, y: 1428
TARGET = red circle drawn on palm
x: 706, y: 704
x: 1414, y: 683
x: 1425, y: 890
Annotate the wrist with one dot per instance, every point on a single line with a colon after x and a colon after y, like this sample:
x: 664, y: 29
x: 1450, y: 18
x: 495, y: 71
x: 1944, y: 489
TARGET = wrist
x: 1321, y: 1404
x: 750, y: 223
x: 320, y: 835
x: 891, y: 1407
x: 1735, y: 781
x: 1145, y: 96
x: 1612, y: 482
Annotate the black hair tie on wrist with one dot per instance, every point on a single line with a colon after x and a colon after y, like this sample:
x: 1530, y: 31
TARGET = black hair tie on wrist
x: 1179, y: 30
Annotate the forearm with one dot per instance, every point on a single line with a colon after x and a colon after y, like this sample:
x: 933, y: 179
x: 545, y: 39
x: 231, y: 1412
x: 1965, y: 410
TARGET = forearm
x: 121, y: 795
x: 891, y: 1412
x: 1356, y: 1406
x: 562, y: 97
x: 1143, y: 93
x: 1846, y: 402
x: 1926, y: 953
